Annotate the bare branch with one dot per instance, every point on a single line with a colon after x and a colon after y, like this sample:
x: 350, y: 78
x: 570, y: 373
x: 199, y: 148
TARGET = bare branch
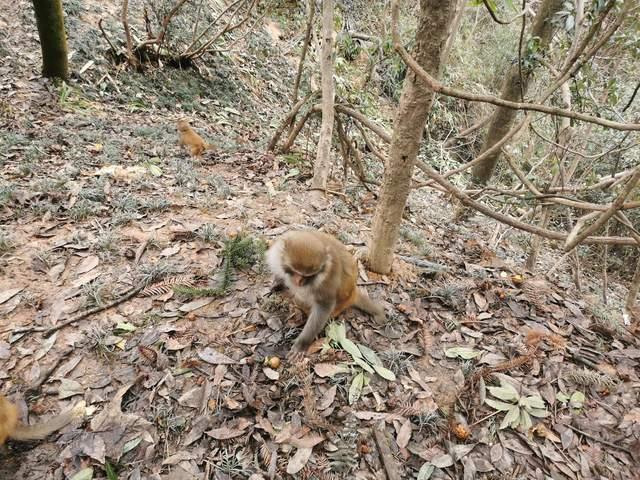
x: 438, y: 87
x: 605, y: 216
x: 513, y: 222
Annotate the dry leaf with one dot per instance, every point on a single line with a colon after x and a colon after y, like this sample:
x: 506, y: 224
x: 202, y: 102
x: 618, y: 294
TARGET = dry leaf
x: 404, y: 435
x: 209, y: 355
x: 299, y: 460
x: 87, y: 264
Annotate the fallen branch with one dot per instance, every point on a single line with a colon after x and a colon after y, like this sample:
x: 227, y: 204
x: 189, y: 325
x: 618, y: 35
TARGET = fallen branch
x: 48, y: 331
x: 388, y: 460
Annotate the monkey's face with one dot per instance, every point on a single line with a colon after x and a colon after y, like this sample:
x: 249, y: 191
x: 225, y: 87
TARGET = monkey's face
x: 302, y: 275
x: 183, y: 126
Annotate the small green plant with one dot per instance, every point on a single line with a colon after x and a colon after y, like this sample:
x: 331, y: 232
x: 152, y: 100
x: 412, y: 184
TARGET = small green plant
x: 95, y: 294
x: 208, y: 233
x: 6, y: 242
x: 519, y: 409
x: 150, y: 273
x: 189, y: 293
x: 575, y: 401
x: 362, y: 356
x: 83, y: 209
x: 239, y: 252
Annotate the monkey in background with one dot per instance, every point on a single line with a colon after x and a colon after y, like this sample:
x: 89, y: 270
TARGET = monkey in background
x: 11, y: 427
x: 321, y: 274
x: 190, y: 139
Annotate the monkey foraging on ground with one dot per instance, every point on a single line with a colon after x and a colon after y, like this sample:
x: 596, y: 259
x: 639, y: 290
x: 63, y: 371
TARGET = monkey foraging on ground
x: 11, y: 427
x: 190, y: 139
x: 321, y: 274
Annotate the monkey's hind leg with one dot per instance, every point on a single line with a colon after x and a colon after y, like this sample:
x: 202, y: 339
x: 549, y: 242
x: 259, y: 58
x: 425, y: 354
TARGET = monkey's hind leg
x: 364, y: 303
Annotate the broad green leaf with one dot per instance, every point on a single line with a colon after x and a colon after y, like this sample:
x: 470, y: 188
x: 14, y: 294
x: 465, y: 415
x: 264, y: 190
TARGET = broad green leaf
x: 332, y: 332
x: 341, y: 332
x: 131, y: 444
x: 385, y: 373
x: 426, y: 470
x: 125, y: 327
x: 538, y: 412
x: 535, y: 401
x: 84, y: 474
x: 155, y: 170
x: 525, y: 420
x: 351, y: 348
x: 498, y: 405
x: 355, y: 390
x: 506, y: 392
x: 562, y: 397
x: 513, y: 415
x: 363, y: 364
x: 577, y: 399
x: 369, y: 355
x: 465, y: 353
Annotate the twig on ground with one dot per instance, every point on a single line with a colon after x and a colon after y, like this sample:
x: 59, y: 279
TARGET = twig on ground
x: 47, y: 331
x: 388, y: 460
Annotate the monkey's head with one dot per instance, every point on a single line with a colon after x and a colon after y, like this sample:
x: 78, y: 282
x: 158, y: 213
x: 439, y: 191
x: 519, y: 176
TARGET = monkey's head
x: 304, y: 258
x: 183, y: 125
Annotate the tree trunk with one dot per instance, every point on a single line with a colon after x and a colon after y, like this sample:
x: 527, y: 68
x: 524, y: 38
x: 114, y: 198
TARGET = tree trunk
x: 415, y: 103
x: 634, y: 288
x: 53, y: 40
x: 323, y: 156
x: 502, y: 119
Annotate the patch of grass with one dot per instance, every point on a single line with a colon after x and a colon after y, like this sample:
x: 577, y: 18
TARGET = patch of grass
x: 95, y: 294
x: 83, y: 209
x: 233, y: 464
x: 155, y: 204
x: 186, y: 175
x: 397, y: 362
x: 7, y: 243
x: 208, y: 233
x: 430, y: 422
x: 417, y: 239
x: 220, y: 186
x: 41, y: 207
x: 190, y: 293
x: 106, y: 243
x: 98, y: 340
x: 150, y: 273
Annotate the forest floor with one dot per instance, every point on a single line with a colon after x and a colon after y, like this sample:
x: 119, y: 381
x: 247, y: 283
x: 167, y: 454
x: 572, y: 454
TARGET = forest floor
x: 97, y: 199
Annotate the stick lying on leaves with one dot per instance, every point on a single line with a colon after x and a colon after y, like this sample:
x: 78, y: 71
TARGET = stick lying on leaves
x: 19, y: 332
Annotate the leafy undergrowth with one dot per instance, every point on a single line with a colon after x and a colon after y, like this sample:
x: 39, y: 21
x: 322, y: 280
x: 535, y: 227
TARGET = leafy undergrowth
x: 480, y: 372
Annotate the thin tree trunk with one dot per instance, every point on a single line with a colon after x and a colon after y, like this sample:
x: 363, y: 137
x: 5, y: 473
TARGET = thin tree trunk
x: 415, y: 102
x: 311, y: 10
x: 503, y: 118
x: 53, y: 40
x: 634, y: 288
x: 323, y: 156
x: 453, y: 29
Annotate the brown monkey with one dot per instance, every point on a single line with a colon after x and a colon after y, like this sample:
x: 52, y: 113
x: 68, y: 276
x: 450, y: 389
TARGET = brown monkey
x: 189, y: 138
x: 11, y: 427
x: 321, y: 274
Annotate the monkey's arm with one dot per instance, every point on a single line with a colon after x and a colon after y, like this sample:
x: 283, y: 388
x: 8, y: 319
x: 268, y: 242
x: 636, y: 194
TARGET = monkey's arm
x: 318, y: 318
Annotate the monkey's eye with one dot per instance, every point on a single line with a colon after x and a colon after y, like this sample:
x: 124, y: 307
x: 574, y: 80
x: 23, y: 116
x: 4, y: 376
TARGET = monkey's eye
x: 288, y: 271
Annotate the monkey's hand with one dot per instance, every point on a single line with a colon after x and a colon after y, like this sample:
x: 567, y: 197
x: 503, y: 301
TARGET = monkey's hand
x: 277, y: 286
x: 318, y: 318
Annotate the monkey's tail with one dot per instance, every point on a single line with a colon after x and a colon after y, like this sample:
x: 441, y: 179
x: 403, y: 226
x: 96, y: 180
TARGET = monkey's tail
x: 44, y: 429
x: 363, y: 302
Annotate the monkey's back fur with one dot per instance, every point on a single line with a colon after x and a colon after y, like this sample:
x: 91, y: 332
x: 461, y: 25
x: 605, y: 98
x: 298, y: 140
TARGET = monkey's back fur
x: 308, y: 249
